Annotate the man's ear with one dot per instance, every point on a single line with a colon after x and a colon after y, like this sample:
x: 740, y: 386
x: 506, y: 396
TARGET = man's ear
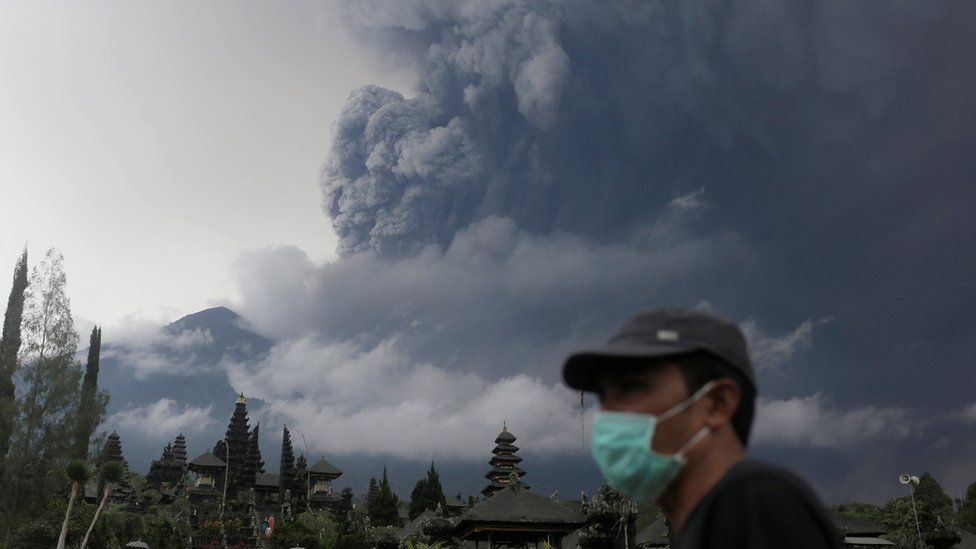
x: 722, y: 402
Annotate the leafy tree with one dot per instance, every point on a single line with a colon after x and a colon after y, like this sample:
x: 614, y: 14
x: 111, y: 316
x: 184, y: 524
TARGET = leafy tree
x: 311, y: 530
x: 91, y: 407
x: 50, y: 379
x: 383, y: 510
x: 863, y: 511
x: 966, y: 517
x: 9, y: 347
x: 427, y: 494
x: 933, y: 506
x: 932, y: 501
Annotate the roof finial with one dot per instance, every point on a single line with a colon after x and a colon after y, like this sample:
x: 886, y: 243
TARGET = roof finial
x: 241, y: 399
x: 504, y: 427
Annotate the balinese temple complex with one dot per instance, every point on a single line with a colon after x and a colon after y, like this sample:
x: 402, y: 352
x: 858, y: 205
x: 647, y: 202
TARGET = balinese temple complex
x: 509, y: 516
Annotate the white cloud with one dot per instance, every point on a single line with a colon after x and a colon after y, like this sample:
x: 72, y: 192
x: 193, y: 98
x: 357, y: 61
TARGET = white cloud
x: 376, y: 401
x: 149, y: 349
x: 812, y: 422
x: 770, y: 352
x: 967, y: 414
x: 161, y: 419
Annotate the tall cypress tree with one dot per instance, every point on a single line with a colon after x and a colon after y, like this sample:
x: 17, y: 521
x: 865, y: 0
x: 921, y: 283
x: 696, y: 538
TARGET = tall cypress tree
x: 9, y: 347
x: 427, y: 493
x: 91, y: 406
x: 286, y: 471
x: 384, y: 510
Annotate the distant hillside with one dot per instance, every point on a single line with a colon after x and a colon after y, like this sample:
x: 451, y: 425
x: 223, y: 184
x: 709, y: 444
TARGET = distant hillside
x: 228, y: 329
x: 183, y: 365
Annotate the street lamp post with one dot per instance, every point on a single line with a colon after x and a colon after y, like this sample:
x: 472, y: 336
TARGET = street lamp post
x: 223, y: 497
x: 912, y: 481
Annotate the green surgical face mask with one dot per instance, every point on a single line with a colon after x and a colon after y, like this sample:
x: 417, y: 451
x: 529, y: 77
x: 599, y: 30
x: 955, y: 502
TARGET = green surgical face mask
x: 621, y: 446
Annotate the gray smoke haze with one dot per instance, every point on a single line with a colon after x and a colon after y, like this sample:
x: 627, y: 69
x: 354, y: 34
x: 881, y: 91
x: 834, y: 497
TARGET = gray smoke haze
x: 590, y: 116
x: 804, y: 168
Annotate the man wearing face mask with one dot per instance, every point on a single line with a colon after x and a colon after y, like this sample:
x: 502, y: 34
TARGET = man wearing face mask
x: 677, y: 395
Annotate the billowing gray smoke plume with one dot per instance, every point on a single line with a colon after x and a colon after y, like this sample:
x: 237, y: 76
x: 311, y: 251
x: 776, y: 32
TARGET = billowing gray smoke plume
x: 562, y: 163
x: 589, y: 116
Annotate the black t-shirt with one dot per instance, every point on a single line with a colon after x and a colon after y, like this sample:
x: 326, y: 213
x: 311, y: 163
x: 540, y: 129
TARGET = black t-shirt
x: 756, y: 505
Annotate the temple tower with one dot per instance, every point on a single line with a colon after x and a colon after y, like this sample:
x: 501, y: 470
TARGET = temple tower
x: 253, y: 465
x: 286, y: 471
x: 179, y: 449
x: 503, y: 463
x: 112, y: 451
x: 232, y: 449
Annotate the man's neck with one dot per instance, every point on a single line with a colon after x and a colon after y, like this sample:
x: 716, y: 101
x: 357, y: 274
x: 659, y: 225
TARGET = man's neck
x: 697, y: 478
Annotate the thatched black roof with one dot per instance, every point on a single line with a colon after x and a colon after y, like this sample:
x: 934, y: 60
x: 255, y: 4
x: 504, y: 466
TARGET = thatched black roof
x: 519, y: 506
x: 207, y: 459
x: 323, y: 467
x: 266, y: 480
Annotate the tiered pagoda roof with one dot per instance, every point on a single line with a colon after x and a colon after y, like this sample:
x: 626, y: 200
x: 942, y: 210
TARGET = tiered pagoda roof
x: 266, y: 481
x: 516, y: 515
x: 112, y: 451
x: 323, y: 468
x: 207, y: 460
x: 503, y: 463
x: 179, y: 449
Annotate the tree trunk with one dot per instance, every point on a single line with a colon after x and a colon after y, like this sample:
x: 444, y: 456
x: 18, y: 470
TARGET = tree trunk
x: 67, y: 516
x: 109, y: 486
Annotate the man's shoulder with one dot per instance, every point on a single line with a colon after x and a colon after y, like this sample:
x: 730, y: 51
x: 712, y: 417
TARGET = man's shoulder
x: 759, y: 505
x: 758, y: 488
x: 757, y: 474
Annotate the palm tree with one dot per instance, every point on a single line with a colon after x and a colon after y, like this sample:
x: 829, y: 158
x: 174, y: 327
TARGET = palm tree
x: 79, y: 473
x: 111, y: 473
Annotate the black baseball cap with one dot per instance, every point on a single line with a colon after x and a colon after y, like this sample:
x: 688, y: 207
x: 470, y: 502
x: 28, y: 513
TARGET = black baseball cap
x: 661, y: 333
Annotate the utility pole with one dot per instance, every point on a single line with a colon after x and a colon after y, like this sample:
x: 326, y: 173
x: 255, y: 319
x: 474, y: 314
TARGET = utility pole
x: 912, y: 481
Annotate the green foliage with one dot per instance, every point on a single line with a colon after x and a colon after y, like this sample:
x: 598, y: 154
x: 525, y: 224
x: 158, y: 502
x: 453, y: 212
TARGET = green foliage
x: 897, y: 517
x: 966, y: 517
x: 383, y: 509
x: 10, y: 341
x: 933, y: 506
x: 92, y: 404
x: 427, y: 493
x: 77, y: 470
x: 312, y: 530
x: 863, y: 511
x: 932, y: 501
x: 111, y: 472
x: 49, y: 376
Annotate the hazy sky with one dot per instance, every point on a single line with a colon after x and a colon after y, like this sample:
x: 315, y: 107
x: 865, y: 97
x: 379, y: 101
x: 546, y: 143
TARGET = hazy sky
x: 152, y: 142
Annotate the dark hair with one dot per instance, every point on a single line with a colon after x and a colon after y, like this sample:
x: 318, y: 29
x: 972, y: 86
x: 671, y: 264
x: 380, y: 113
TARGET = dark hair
x: 700, y: 367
